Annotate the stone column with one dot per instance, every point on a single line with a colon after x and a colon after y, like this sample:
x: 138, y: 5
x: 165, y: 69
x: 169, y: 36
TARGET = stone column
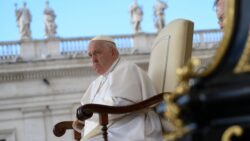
x: 34, y: 124
x: 59, y: 113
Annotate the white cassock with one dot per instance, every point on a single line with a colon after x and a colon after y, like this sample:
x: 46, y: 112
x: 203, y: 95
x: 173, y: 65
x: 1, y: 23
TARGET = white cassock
x: 123, y: 84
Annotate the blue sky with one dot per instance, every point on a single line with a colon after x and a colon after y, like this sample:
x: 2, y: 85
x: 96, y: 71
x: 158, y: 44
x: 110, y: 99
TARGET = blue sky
x: 79, y: 18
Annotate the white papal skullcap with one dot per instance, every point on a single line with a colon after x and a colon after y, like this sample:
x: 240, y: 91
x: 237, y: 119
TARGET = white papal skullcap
x: 103, y: 38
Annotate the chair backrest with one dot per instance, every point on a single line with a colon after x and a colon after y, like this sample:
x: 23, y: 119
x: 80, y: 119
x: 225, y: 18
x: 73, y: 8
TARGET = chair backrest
x: 171, y: 49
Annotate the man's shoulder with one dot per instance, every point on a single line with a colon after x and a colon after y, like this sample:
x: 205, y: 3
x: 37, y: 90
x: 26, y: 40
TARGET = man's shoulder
x: 127, y: 64
x: 128, y: 67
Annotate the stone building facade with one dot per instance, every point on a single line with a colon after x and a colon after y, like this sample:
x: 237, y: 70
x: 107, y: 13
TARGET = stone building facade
x: 42, y: 81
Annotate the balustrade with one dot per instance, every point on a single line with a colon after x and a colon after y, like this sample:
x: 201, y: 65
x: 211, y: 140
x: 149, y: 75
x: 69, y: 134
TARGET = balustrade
x: 205, y: 39
x: 73, y: 47
x: 9, y: 50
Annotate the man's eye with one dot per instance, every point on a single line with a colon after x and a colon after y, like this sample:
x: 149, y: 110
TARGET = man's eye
x: 96, y: 53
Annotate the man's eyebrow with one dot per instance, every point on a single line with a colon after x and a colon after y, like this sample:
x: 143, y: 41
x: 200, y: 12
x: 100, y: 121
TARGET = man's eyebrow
x: 93, y: 52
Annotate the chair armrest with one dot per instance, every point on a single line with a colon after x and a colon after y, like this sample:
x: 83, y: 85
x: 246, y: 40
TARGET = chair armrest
x: 86, y: 111
x: 61, y: 127
x: 89, y: 109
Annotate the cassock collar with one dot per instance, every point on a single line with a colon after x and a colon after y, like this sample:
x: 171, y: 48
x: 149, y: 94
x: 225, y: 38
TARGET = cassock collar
x: 112, y: 67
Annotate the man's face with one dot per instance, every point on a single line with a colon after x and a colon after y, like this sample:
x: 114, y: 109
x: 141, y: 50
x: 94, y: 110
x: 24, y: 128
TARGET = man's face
x: 220, y: 12
x: 102, y: 56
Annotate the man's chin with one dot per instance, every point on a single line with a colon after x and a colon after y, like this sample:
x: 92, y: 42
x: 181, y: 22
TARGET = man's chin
x: 97, y: 71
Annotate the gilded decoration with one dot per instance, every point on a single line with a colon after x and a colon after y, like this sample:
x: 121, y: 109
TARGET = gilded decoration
x: 235, y: 130
x: 187, y: 72
x: 172, y: 112
x: 244, y: 62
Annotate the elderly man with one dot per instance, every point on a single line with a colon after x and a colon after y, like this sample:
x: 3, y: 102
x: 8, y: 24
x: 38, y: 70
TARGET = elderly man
x: 220, y: 10
x: 120, y: 83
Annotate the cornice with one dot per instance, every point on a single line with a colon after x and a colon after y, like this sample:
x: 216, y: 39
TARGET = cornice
x: 41, y: 74
x: 56, y: 68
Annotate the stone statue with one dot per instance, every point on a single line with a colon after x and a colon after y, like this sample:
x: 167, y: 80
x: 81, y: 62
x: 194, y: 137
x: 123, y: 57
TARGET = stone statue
x: 159, y: 19
x: 23, y: 18
x: 136, y: 16
x: 49, y: 21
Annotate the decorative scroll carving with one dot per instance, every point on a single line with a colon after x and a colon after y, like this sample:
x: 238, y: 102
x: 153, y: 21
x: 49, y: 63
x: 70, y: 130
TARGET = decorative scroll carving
x: 235, y: 130
x: 173, y: 110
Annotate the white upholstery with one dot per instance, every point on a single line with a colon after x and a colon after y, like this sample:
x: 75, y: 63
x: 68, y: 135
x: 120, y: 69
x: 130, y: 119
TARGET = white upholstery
x: 172, y: 49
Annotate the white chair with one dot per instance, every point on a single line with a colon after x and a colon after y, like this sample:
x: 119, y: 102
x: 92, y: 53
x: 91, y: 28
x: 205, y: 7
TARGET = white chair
x: 172, y: 48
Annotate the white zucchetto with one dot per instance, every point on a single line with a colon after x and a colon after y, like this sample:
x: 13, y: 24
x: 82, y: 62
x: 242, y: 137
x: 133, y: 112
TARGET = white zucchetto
x: 103, y: 38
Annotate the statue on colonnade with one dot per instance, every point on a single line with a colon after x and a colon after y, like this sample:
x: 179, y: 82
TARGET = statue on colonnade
x: 23, y: 18
x: 159, y: 18
x: 49, y: 21
x: 136, y: 14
